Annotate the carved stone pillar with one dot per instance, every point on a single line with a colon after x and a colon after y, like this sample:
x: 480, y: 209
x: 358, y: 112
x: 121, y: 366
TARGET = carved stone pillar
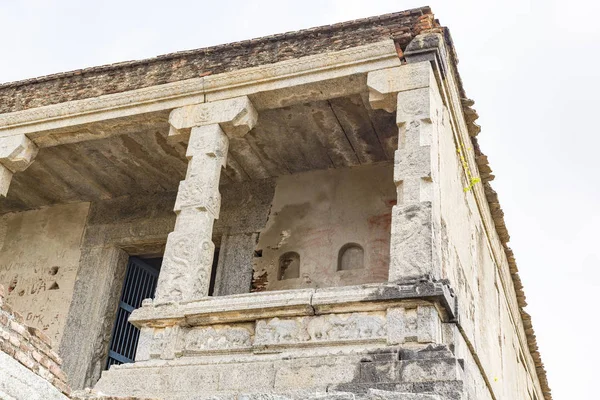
x: 16, y: 154
x: 412, y: 91
x: 186, y: 269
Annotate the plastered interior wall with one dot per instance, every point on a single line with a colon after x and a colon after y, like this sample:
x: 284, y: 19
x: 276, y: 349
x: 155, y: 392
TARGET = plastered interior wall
x: 468, y: 263
x: 316, y: 213
x: 39, y: 258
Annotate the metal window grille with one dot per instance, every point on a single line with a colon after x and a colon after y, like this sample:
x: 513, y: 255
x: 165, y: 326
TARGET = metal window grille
x: 140, y: 284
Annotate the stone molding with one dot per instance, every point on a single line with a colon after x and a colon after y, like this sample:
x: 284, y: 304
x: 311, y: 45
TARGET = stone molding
x: 282, y: 74
x: 296, y: 303
x: 407, y: 322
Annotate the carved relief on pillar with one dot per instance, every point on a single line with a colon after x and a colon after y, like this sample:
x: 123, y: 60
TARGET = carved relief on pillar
x: 16, y: 154
x: 189, y: 252
x: 184, y: 272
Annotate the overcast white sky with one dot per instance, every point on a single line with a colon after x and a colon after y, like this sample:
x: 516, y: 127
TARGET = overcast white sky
x: 530, y: 66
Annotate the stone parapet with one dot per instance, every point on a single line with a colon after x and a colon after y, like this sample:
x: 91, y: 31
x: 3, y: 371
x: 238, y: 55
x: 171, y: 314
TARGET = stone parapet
x: 294, y: 343
x: 295, y: 303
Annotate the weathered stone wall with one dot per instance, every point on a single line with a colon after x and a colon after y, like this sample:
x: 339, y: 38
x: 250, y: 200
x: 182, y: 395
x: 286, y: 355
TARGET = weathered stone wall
x: 39, y: 258
x: 139, y: 225
x: 315, y: 214
x: 29, y: 368
x: 468, y: 262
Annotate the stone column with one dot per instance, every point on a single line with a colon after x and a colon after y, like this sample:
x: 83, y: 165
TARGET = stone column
x: 234, y: 271
x: 186, y: 269
x: 16, y: 154
x: 412, y: 91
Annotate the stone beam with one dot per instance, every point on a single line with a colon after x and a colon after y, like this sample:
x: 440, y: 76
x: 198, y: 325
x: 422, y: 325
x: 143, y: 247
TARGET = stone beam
x: 412, y: 91
x: 319, y: 76
x: 16, y: 154
x: 187, y: 263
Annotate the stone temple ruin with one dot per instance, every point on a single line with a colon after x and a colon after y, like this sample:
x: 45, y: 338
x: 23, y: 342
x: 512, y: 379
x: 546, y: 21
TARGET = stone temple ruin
x: 334, y: 233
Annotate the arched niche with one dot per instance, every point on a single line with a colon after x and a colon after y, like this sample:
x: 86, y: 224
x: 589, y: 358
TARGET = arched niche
x: 289, y: 266
x: 350, y: 257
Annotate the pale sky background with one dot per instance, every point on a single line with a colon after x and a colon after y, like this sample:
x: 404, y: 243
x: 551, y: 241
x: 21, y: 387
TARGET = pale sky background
x: 530, y: 66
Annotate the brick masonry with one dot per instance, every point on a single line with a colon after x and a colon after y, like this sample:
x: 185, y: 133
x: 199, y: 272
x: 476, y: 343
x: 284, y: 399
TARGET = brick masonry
x: 402, y: 27
x: 30, y: 346
x: 33, y: 349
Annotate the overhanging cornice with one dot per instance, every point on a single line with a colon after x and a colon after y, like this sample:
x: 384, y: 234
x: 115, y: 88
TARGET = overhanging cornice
x: 271, y: 77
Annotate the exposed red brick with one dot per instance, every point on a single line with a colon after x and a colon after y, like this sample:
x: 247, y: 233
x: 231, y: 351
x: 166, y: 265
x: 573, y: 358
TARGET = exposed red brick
x: 24, y: 359
x: 62, y: 386
x: 40, y: 335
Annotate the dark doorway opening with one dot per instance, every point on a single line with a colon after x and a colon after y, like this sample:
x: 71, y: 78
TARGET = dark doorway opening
x: 140, y: 283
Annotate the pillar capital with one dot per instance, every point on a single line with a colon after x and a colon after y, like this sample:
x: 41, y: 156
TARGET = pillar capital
x: 385, y: 84
x: 16, y: 154
x: 236, y: 117
x: 428, y: 47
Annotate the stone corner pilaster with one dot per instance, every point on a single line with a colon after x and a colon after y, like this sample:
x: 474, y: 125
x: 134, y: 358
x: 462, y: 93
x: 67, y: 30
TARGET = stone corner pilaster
x: 411, y: 90
x: 428, y: 47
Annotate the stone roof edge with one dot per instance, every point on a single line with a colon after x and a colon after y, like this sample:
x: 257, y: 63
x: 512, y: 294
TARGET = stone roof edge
x: 217, y: 48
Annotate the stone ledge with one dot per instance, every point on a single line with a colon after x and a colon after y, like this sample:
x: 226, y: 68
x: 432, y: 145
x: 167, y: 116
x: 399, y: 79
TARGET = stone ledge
x: 292, y: 375
x: 289, y: 303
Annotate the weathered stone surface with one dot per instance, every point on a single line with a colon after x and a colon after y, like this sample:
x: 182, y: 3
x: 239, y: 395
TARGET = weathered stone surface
x: 218, y: 338
x: 189, y: 249
x: 323, y: 328
x: 421, y: 324
x: 234, y: 270
x: 334, y: 208
x: 385, y: 83
x: 17, y: 152
x: 84, y: 345
x: 191, y: 64
x: 29, y: 367
x: 39, y: 259
x: 442, y: 230
x: 89, y: 394
x: 19, y: 383
x: 299, y: 302
x: 411, y: 241
x: 236, y: 116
